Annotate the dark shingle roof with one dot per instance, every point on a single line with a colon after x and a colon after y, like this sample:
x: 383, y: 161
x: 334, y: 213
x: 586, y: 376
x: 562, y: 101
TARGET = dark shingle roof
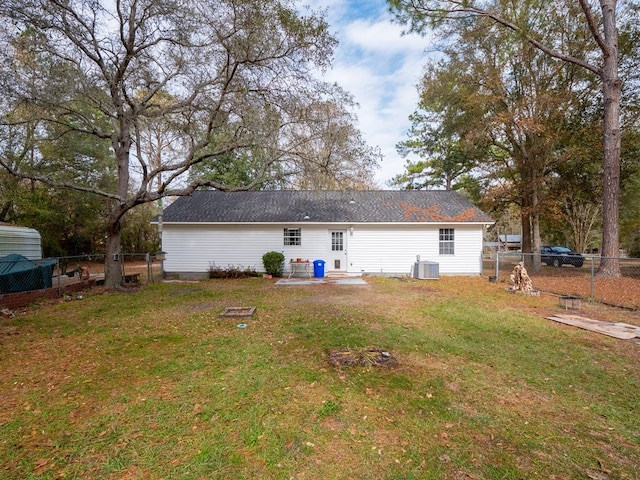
x: 291, y: 206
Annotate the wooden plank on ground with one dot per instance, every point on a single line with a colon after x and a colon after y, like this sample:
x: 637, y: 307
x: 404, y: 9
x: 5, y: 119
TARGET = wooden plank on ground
x: 623, y: 331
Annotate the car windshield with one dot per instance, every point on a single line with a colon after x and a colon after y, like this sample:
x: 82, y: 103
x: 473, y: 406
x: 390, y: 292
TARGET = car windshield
x: 561, y: 250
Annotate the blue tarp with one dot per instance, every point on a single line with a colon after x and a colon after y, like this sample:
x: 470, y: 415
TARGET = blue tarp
x: 19, y: 274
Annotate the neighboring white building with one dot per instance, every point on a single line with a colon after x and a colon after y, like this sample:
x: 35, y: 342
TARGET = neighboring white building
x: 21, y: 240
x: 354, y: 232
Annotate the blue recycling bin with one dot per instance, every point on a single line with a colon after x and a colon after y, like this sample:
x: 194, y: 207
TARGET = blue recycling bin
x: 318, y: 268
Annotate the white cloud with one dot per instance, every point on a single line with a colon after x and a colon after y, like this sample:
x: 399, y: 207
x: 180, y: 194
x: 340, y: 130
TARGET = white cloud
x: 382, y: 37
x: 380, y: 67
x: 383, y: 82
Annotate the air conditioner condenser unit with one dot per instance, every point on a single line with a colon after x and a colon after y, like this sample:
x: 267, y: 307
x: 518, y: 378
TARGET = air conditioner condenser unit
x: 425, y: 270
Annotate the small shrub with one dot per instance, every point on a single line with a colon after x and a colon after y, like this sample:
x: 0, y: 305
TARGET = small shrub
x: 231, y: 272
x: 273, y: 263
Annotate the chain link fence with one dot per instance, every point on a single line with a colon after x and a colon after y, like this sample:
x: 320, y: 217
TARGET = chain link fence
x: 136, y: 267
x: 23, y: 281
x: 574, y: 277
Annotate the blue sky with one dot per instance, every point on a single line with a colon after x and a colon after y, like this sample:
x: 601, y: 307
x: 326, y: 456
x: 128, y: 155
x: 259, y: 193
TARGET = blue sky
x: 380, y: 67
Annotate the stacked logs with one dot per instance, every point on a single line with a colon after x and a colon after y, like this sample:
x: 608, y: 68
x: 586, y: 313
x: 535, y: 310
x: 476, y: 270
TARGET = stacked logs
x: 521, y: 280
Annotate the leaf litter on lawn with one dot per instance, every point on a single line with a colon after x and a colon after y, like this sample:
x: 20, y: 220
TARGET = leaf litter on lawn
x: 485, y: 387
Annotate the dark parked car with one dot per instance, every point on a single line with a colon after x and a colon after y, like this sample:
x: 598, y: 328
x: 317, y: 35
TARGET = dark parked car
x: 558, y: 256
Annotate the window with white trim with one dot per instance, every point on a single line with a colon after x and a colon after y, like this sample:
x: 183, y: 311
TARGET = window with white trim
x: 293, y: 236
x: 447, y: 241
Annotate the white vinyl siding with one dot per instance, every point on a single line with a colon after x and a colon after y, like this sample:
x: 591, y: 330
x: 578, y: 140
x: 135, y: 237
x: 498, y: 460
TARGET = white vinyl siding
x: 193, y: 248
x: 394, y: 249
x: 370, y: 248
x: 21, y: 240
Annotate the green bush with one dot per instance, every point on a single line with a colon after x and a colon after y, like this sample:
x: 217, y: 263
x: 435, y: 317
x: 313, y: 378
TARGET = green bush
x: 273, y: 263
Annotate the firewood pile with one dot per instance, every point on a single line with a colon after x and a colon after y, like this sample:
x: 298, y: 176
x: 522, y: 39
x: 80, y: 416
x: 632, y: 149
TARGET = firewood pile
x: 521, y: 280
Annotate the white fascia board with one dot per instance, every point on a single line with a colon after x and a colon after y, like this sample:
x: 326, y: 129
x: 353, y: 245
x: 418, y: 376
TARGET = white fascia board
x: 306, y: 222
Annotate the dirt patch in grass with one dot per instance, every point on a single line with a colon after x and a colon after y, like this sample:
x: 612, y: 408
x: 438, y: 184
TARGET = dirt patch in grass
x: 9, y: 330
x: 362, y: 357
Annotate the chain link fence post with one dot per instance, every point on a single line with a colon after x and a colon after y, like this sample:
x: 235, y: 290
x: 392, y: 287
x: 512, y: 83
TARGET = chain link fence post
x: 58, y: 279
x: 592, y: 295
x: 149, y: 272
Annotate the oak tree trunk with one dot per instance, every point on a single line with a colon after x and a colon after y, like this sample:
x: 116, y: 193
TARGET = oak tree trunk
x: 113, y: 260
x: 122, y: 145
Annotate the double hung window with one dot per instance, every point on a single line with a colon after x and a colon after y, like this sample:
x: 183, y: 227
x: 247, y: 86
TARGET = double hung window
x: 292, y: 236
x: 447, y: 241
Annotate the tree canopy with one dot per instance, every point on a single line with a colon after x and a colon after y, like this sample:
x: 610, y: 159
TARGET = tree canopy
x: 578, y: 34
x: 167, y: 86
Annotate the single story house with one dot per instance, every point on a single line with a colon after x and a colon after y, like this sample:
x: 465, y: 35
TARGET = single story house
x: 353, y: 232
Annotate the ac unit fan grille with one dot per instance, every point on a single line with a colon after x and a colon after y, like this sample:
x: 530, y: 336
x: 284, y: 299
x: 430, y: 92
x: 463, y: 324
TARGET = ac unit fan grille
x: 426, y: 270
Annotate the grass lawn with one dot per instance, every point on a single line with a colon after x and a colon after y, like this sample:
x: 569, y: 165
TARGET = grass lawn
x: 154, y: 384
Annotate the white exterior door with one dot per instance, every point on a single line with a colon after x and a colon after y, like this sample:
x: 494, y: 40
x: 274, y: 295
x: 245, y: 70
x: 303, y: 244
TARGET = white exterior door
x: 338, y: 251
